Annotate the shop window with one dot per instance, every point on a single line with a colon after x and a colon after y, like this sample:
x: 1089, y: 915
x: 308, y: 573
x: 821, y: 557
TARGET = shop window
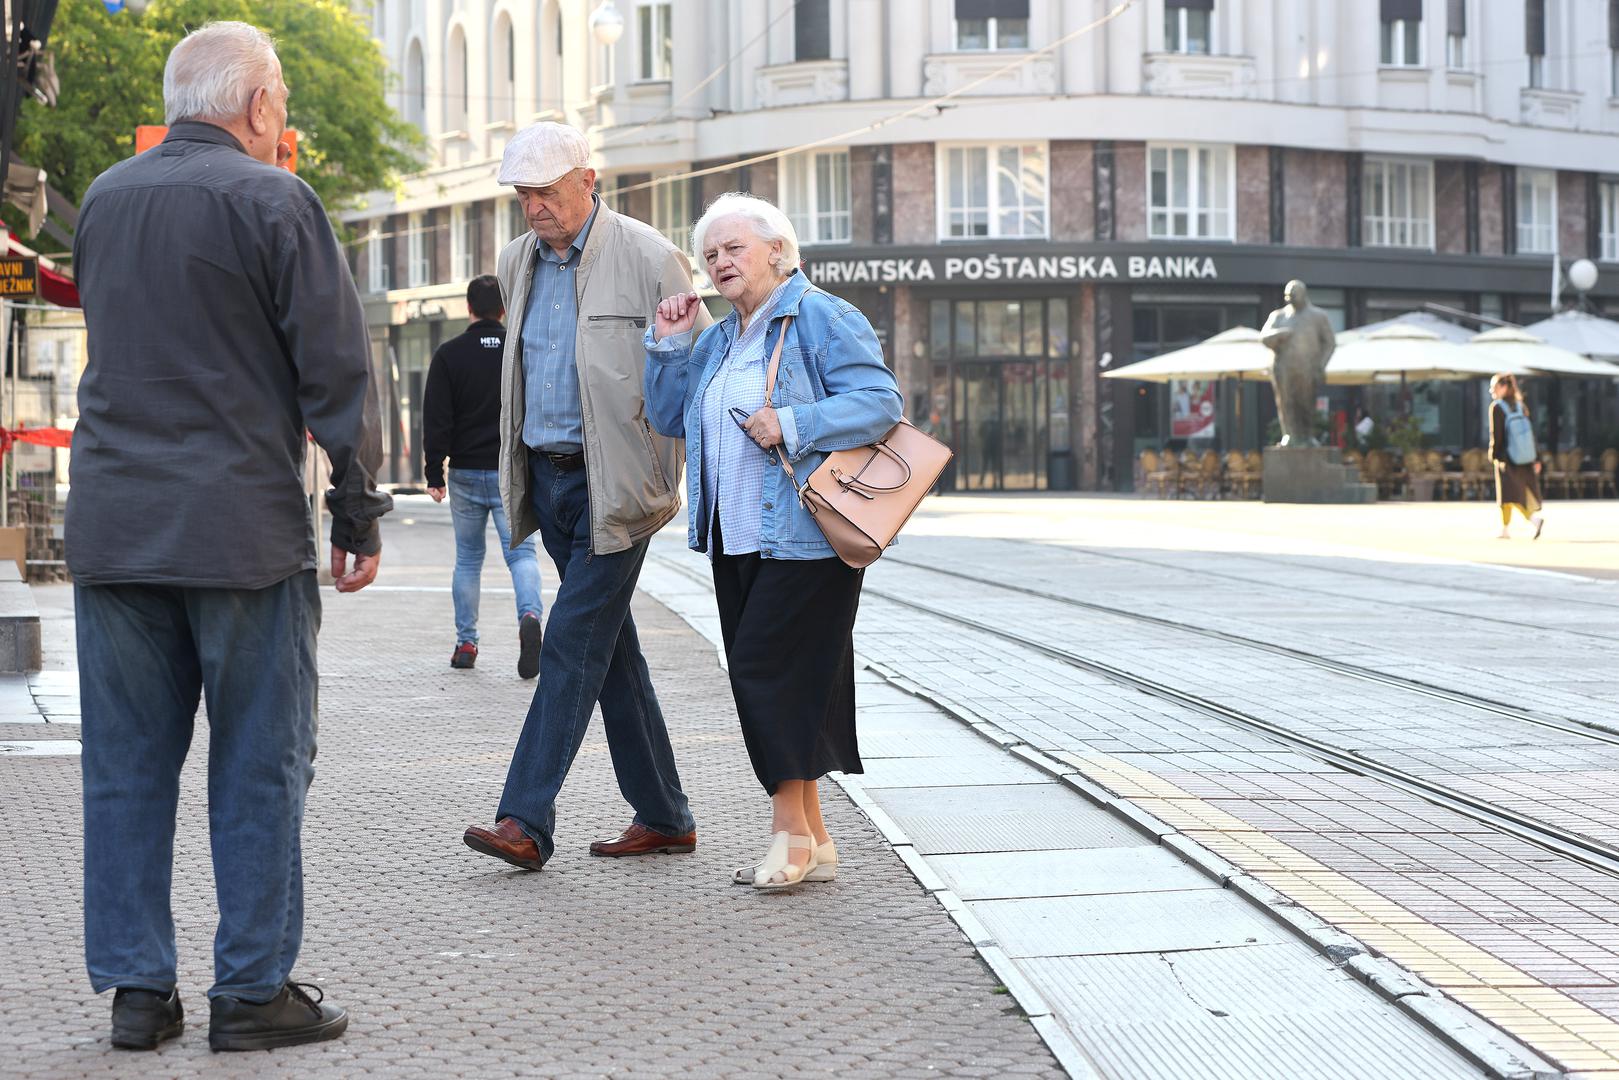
x: 671, y: 211
x: 1188, y: 26
x: 1402, y: 33
x: 1190, y: 192
x: 1608, y: 201
x: 1398, y: 201
x: 982, y: 25
x: 656, y: 36
x: 419, y: 262
x: 812, y: 30
x: 815, y: 194
x: 992, y: 191
x: 1537, y: 211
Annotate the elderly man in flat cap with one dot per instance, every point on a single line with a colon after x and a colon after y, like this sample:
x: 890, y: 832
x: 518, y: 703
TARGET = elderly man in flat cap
x: 580, y: 465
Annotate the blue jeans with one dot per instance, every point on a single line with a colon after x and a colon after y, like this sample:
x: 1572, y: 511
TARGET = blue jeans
x: 146, y: 653
x: 474, y: 498
x: 590, y: 654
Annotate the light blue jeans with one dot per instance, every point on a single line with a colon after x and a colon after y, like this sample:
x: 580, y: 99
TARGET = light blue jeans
x: 474, y: 498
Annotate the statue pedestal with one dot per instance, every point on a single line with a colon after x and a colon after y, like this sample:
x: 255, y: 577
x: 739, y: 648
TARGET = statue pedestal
x: 1313, y: 474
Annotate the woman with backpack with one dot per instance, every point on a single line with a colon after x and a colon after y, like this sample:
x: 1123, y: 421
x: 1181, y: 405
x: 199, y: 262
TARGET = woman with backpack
x: 1512, y: 448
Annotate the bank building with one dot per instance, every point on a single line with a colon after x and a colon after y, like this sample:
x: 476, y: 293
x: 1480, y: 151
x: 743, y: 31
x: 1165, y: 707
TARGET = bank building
x: 1025, y: 194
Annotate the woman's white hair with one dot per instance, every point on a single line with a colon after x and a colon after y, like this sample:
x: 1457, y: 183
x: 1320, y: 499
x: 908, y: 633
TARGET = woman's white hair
x: 768, y: 222
x: 214, y: 72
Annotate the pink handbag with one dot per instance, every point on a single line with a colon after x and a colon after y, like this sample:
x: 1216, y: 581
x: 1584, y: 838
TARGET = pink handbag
x: 862, y: 498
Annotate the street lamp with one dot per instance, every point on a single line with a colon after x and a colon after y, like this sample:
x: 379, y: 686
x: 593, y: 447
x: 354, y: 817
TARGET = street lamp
x: 607, y: 24
x: 1582, y: 274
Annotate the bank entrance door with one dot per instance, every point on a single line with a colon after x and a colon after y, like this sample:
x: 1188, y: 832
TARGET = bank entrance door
x: 998, y: 390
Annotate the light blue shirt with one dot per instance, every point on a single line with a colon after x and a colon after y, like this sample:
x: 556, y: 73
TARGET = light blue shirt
x: 733, y: 464
x: 552, y: 417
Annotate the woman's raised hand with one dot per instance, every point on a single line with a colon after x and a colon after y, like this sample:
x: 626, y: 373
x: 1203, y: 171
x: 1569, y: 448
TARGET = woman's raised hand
x: 677, y: 314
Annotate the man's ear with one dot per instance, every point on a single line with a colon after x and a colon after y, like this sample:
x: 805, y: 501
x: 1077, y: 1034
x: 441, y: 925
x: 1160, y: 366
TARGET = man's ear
x: 255, y: 111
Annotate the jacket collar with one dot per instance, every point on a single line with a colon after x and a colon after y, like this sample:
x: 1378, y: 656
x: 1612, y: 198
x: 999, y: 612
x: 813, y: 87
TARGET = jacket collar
x: 601, y: 216
x: 792, y: 292
x: 200, y: 131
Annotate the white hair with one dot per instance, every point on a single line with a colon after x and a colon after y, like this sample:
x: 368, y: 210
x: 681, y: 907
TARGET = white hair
x: 214, y: 72
x: 768, y: 222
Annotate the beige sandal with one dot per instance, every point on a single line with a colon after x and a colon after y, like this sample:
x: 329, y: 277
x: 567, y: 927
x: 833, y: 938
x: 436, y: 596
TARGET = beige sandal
x: 775, y: 862
x: 826, y: 867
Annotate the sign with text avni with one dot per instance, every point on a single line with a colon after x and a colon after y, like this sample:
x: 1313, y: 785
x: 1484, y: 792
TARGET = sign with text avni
x: 19, y: 276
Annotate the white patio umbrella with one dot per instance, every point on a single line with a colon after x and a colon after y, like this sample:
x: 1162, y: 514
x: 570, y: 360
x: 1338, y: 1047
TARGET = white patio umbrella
x: 1579, y: 331
x: 1234, y: 353
x: 1402, y: 352
x: 1422, y: 320
x: 1515, y: 348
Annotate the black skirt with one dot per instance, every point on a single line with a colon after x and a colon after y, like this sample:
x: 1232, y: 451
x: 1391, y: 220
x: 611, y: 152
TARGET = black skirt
x: 788, y: 628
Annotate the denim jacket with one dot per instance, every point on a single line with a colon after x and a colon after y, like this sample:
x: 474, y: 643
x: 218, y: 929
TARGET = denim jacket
x: 833, y: 392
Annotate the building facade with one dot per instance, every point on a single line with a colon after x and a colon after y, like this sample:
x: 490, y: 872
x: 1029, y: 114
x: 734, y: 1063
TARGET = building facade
x: 1023, y: 194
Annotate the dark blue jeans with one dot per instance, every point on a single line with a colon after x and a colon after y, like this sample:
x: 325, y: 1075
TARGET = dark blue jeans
x: 146, y: 654
x: 590, y: 654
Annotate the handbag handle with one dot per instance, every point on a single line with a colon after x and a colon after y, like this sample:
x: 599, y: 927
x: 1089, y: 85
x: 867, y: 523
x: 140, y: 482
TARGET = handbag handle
x: 861, y: 486
x: 770, y: 394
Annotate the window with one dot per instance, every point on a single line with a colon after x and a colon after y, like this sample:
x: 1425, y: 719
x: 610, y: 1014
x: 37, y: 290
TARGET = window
x: 991, y: 24
x: 1187, y: 26
x: 1189, y: 192
x: 418, y: 262
x: 1608, y: 201
x: 1402, y: 33
x: 656, y: 41
x: 1537, y: 211
x: 379, y: 19
x: 815, y: 194
x: 812, y: 30
x: 415, y: 85
x: 503, y: 83
x: 1398, y: 201
x: 379, y: 272
x: 1613, y: 48
x: 455, y: 82
x: 1456, y: 35
x: 1534, y: 36
x: 997, y: 191
x: 463, y: 243
x: 671, y: 211
x: 513, y: 224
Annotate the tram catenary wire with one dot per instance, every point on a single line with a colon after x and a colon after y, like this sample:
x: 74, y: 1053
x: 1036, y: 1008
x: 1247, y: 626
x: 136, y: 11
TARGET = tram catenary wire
x: 1564, y: 842
x: 1354, y: 671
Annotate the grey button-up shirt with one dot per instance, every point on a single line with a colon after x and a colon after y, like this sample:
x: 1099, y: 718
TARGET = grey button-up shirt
x: 222, y: 322
x: 552, y: 418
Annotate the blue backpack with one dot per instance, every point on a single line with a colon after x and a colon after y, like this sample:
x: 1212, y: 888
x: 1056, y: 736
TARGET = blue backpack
x: 1520, y: 435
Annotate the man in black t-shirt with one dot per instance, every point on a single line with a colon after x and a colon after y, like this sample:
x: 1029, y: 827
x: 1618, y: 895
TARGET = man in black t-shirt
x: 461, y: 421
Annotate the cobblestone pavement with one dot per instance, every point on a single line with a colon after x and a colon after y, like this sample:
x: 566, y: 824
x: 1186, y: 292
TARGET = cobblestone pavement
x: 1526, y: 938
x: 452, y: 966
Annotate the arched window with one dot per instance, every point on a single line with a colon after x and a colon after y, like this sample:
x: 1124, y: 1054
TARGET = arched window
x: 548, y: 63
x: 455, y: 82
x: 415, y: 85
x: 503, y: 70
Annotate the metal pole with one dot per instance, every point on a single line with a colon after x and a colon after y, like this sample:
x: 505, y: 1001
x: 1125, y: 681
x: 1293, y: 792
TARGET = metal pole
x: 6, y: 337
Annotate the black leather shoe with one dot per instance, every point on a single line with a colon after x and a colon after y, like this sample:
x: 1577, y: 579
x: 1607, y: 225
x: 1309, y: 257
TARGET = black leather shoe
x: 143, y: 1018
x: 290, y: 1018
x: 528, y: 647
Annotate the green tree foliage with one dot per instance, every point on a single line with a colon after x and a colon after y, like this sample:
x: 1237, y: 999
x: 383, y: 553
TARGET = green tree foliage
x: 111, y: 66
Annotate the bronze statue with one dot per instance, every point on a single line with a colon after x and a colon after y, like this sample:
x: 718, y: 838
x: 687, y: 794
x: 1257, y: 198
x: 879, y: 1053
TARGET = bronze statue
x: 1301, y: 337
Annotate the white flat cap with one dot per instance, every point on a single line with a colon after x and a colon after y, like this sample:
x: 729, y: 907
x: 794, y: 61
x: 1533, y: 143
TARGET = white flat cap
x: 541, y: 154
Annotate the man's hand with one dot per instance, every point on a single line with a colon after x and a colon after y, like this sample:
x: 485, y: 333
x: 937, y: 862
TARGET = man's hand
x: 1537, y: 466
x: 437, y: 493
x: 677, y: 314
x: 363, y: 574
x: 764, y: 428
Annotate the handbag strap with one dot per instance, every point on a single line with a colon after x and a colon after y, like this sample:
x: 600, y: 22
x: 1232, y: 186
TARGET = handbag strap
x: 770, y: 393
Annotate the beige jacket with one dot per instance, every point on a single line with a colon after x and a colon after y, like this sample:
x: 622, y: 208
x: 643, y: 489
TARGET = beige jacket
x: 631, y: 471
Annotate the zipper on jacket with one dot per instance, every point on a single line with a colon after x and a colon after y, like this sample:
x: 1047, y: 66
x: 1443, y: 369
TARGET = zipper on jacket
x: 637, y: 321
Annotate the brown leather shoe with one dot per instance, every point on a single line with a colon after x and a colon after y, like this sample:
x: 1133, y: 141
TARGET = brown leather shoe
x: 640, y: 840
x: 506, y: 841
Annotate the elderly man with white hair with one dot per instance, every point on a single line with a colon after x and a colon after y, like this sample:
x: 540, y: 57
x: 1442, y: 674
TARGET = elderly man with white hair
x: 223, y: 323
x: 792, y: 371
x: 580, y: 465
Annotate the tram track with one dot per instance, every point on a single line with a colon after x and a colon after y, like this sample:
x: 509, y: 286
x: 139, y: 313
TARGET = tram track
x: 1571, y: 845
x: 1567, y: 725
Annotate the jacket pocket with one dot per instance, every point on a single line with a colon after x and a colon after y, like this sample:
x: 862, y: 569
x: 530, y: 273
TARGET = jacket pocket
x: 652, y: 456
x: 616, y: 322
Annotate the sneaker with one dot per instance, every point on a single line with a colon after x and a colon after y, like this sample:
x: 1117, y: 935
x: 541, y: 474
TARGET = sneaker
x: 528, y: 642
x: 464, y: 656
x: 143, y: 1018
x: 291, y: 1018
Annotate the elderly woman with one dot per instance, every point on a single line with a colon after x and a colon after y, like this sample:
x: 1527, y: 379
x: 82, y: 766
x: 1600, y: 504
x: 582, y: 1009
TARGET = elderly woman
x: 786, y: 602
